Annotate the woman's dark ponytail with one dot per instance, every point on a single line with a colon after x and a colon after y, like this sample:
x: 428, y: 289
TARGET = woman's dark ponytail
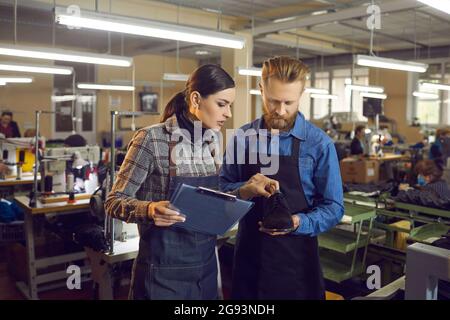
x: 175, y: 105
x: 207, y: 79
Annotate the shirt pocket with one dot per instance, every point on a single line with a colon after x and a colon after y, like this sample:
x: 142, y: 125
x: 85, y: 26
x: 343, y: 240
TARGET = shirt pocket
x: 306, y: 165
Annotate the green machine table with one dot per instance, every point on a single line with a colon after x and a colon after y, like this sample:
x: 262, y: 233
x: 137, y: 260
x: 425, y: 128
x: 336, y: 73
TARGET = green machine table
x: 435, y: 222
x: 340, y: 247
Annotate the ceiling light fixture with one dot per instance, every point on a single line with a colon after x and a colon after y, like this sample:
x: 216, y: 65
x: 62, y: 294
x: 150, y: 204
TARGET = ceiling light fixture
x: 175, y: 77
x: 34, y: 68
x: 356, y: 87
x: 147, y: 28
x: 64, y: 98
x: 64, y: 55
x: 255, y: 92
x: 425, y: 95
x: 436, y: 86
x: 16, y: 79
x: 255, y: 72
x: 95, y: 86
x: 387, y: 63
x: 442, y: 5
x: 382, y: 96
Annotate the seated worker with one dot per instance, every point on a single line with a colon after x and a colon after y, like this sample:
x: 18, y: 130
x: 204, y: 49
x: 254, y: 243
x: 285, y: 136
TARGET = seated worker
x: 429, y: 177
x: 29, y: 133
x: 7, y: 126
x: 436, y: 150
x: 358, y: 146
x: 75, y: 140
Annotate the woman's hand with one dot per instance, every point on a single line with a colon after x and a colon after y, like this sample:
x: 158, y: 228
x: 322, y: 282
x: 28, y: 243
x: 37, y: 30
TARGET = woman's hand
x: 258, y: 185
x: 162, y: 215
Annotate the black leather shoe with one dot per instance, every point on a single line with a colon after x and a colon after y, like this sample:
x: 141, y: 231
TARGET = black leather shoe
x: 277, y: 215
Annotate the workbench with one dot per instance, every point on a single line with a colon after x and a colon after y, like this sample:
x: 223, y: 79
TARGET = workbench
x: 30, y: 289
x: 102, y: 262
x: 10, y: 186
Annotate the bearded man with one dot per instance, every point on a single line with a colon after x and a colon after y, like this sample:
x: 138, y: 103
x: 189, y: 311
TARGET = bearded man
x: 283, y: 264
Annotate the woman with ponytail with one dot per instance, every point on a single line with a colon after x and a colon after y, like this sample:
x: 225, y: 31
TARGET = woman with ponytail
x: 174, y: 263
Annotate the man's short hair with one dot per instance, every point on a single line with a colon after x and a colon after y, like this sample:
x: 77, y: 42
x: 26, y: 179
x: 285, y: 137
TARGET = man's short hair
x: 7, y: 113
x: 359, y: 129
x: 285, y: 69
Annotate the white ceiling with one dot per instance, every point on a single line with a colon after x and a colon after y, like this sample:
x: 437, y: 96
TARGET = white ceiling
x: 420, y: 27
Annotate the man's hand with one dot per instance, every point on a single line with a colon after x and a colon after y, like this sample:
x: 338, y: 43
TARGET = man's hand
x: 295, y: 220
x: 160, y: 213
x: 258, y: 185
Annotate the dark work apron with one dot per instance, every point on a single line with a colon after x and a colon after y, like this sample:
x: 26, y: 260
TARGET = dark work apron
x: 277, y: 267
x: 174, y: 263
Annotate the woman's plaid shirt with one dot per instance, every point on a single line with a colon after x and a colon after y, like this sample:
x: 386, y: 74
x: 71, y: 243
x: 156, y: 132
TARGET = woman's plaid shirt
x: 144, y: 174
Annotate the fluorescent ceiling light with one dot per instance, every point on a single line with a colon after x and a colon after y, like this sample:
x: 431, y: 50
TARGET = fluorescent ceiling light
x: 34, y: 68
x: 255, y: 72
x: 95, y: 86
x: 387, y: 63
x: 64, y: 55
x: 256, y: 92
x: 442, y: 5
x: 175, y: 77
x: 318, y: 13
x: 2, y: 83
x: 315, y: 90
x: 284, y: 19
x: 382, y: 96
x: 16, y: 79
x: 202, y: 52
x: 324, y: 96
x: 437, y: 86
x: 64, y: 98
x: 212, y: 10
x: 148, y: 28
x: 356, y: 87
x: 425, y: 95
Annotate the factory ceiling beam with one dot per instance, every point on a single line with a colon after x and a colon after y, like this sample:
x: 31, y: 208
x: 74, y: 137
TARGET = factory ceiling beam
x: 378, y: 33
x: 344, y: 14
x: 332, y: 39
x: 308, y: 45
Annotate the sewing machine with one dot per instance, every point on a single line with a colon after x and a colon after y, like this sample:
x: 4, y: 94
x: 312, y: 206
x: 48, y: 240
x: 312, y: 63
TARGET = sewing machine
x: 17, y: 154
x: 67, y: 166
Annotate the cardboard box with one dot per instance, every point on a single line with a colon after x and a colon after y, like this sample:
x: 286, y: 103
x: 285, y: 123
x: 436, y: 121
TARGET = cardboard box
x: 359, y: 171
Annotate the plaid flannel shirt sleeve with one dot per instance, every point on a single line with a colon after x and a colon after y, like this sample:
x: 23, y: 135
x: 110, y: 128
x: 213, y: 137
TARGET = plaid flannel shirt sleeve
x: 121, y: 203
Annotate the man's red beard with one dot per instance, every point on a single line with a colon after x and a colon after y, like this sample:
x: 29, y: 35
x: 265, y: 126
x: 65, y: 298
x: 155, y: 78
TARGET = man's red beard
x: 283, y: 123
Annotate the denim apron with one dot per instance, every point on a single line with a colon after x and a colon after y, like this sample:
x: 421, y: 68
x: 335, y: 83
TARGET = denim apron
x: 277, y: 267
x: 174, y: 263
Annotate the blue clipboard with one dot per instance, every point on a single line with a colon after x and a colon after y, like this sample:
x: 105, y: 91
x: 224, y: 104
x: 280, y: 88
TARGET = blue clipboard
x: 207, y: 210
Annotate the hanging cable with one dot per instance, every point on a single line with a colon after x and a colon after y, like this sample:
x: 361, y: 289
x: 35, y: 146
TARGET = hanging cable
x: 74, y: 116
x: 54, y: 24
x: 109, y: 32
x: 415, y: 35
x: 372, y: 34
x: 15, y: 21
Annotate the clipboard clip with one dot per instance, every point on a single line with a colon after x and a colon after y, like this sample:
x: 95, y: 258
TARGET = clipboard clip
x: 216, y: 193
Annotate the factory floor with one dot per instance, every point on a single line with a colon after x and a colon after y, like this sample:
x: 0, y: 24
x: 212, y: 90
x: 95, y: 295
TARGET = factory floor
x: 8, y: 290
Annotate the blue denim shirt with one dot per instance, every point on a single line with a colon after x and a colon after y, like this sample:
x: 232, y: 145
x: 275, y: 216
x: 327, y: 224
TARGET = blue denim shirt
x: 319, y: 169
